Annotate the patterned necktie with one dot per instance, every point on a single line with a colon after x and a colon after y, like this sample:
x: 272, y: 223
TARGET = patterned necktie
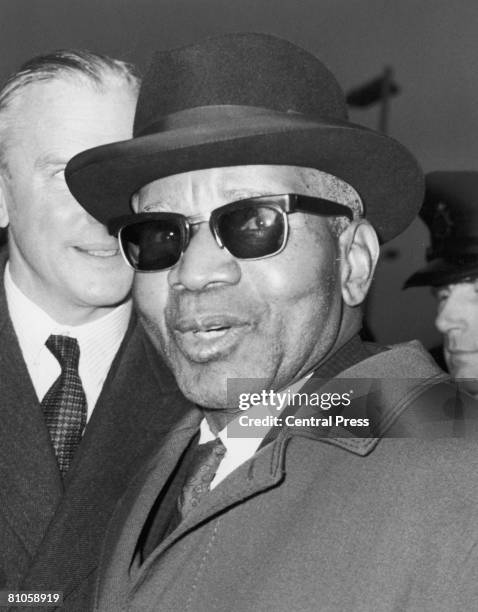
x: 64, y: 405
x: 205, y: 462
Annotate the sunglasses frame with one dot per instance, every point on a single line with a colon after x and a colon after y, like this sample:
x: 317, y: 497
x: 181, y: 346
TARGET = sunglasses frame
x: 288, y: 204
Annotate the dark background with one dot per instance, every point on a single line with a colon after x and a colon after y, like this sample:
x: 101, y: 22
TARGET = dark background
x: 431, y: 44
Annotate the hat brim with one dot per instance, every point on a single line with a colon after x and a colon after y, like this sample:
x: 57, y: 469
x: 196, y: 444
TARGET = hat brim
x: 441, y: 272
x: 383, y: 172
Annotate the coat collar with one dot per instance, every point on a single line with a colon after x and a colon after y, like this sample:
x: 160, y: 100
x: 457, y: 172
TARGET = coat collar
x: 376, y: 395
x: 133, y: 510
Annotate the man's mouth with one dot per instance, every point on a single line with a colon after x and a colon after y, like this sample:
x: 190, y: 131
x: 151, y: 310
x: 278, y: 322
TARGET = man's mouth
x: 460, y: 358
x: 210, y: 337
x: 208, y: 334
x: 97, y: 251
x: 460, y: 354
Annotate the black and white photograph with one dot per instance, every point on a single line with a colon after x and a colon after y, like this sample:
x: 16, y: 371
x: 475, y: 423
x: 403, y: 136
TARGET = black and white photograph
x: 239, y: 305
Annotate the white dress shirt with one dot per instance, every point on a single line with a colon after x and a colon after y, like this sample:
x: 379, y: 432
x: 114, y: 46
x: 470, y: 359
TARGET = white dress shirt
x: 98, y: 340
x: 239, y: 450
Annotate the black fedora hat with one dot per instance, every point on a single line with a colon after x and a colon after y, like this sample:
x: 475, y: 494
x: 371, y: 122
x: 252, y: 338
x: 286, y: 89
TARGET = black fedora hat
x: 450, y: 211
x: 242, y: 99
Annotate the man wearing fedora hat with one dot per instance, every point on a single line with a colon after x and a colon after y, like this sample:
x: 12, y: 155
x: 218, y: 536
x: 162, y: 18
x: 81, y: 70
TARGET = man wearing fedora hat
x: 257, y: 214
x: 450, y: 211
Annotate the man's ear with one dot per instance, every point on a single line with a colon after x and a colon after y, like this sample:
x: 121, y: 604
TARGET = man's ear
x: 4, y: 219
x: 359, y: 250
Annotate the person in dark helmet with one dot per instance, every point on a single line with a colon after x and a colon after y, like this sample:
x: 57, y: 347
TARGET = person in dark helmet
x: 450, y: 212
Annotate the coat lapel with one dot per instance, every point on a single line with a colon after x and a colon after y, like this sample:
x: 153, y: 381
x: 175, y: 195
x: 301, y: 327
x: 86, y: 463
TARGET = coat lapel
x: 30, y: 480
x: 139, y: 405
x: 262, y: 472
x: 132, y: 512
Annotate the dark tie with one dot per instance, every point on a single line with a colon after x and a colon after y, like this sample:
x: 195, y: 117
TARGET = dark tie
x: 64, y: 405
x: 205, y: 463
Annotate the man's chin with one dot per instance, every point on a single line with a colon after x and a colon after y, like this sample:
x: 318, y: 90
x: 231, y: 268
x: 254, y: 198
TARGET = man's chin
x: 464, y: 372
x: 467, y: 383
x: 205, y: 384
x: 206, y: 397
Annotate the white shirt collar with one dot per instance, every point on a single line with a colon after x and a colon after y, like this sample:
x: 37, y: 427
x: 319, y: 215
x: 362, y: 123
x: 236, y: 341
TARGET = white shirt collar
x: 239, y: 450
x: 99, y: 340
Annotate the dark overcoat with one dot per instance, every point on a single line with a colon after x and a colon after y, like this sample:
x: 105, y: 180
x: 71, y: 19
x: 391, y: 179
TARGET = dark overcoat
x: 318, y: 522
x: 50, y: 531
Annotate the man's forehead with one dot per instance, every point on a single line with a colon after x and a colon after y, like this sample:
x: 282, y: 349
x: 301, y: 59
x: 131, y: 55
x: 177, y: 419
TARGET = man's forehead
x: 63, y: 115
x: 29, y: 94
x: 69, y: 92
x: 243, y: 181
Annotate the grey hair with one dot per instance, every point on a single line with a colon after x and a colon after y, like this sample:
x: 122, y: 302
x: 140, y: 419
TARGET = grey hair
x: 328, y: 186
x: 95, y: 69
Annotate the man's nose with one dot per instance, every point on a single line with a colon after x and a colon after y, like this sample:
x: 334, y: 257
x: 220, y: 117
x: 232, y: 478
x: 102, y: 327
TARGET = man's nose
x: 204, y: 264
x: 450, y: 314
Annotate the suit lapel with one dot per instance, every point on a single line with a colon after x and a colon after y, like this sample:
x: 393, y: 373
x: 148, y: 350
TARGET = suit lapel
x: 130, y: 420
x: 30, y: 480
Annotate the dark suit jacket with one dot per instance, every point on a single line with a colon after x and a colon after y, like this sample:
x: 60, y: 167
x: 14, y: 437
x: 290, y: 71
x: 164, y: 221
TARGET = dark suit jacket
x: 50, y: 532
x: 316, y: 521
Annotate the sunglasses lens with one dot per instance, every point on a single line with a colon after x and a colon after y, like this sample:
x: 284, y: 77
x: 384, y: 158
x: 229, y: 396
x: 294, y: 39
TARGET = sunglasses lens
x: 252, y: 231
x: 151, y: 245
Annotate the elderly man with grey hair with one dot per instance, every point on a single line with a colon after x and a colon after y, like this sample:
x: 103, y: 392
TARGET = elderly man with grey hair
x: 316, y: 472
x: 69, y: 441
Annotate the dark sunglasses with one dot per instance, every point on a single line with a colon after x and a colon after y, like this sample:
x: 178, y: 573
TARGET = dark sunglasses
x: 253, y: 228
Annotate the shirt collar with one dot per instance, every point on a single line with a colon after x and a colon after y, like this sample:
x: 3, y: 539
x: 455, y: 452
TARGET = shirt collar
x: 243, y: 445
x: 349, y: 354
